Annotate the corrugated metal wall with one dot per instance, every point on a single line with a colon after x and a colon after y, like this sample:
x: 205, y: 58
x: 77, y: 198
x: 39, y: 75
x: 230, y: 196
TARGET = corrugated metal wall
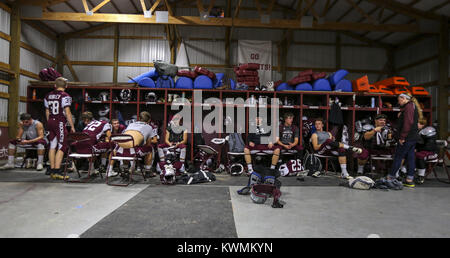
x: 30, y: 61
x: 4, y: 57
x: 422, y: 73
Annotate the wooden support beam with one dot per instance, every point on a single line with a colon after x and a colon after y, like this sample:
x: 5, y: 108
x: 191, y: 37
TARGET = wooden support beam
x: 69, y: 65
x: 100, y: 5
x: 338, y: 51
x: 406, y: 9
x: 347, y: 12
x: 196, y: 21
x: 443, y: 77
x: 361, y: 11
x: 85, y: 5
x: 14, y: 63
x: 116, y: 53
x: 419, y: 62
x: 227, y: 36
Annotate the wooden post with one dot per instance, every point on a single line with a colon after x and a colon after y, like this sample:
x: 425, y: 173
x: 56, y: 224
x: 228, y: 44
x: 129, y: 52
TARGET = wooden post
x: 338, y: 51
x: 14, y: 63
x: 443, y: 78
x: 227, y: 36
x: 116, y: 53
x: 61, y: 50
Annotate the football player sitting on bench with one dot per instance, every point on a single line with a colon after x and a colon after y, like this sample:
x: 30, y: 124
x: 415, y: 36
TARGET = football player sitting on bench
x: 116, y: 126
x: 323, y: 144
x: 143, y: 136
x: 176, y: 136
x: 426, y: 148
x: 255, y: 143
x: 289, y: 135
x: 99, y: 133
x: 375, y: 141
x: 30, y: 133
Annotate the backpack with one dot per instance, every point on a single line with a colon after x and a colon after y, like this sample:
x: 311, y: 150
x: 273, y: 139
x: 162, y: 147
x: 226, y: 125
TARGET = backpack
x: 312, y: 163
x: 361, y: 183
x: 49, y: 74
x: 165, y: 69
x: 236, y: 143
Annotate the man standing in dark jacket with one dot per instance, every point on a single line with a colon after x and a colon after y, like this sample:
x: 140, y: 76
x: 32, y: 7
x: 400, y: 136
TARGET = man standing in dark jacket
x: 407, y: 137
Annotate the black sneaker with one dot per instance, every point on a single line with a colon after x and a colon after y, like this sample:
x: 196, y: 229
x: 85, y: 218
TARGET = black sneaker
x: 48, y: 172
x: 420, y: 180
x: 409, y: 184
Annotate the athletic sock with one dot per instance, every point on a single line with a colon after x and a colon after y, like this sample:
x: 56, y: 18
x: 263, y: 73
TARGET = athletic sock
x: 10, y: 160
x: 272, y: 167
x: 40, y: 159
x: 250, y: 168
x: 346, y: 147
x: 103, y: 161
x: 421, y: 171
x: 344, y: 169
x: 360, y: 169
x: 147, y: 167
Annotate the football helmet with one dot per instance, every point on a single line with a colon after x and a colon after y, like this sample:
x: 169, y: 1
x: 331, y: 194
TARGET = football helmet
x: 125, y: 95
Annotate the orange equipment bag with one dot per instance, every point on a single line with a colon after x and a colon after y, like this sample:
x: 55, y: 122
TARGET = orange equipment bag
x: 373, y: 89
x: 417, y: 90
x: 393, y: 81
x: 385, y: 89
x: 400, y: 90
x: 361, y: 84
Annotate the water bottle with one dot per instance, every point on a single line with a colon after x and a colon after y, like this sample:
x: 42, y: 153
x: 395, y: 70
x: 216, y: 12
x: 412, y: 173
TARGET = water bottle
x: 372, y: 102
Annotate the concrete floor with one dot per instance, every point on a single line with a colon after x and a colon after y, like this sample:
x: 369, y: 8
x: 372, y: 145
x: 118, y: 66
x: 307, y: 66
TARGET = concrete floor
x: 35, y: 208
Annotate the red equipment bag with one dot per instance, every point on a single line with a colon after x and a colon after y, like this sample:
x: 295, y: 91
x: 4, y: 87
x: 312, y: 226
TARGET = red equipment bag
x: 317, y: 76
x: 306, y: 72
x: 249, y: 66
x: 299, y: 79
x: 189, y: 74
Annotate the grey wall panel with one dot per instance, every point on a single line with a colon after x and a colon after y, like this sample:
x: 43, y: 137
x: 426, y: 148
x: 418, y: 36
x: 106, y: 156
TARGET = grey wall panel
x: 363, y: 58
x: 4, y: 21
x: 311, y: 56
x: 4, y: 51
x: 32, y: 62
x: 91, y: 73
x: 38, y: 40
x: 206, y: 52
x: 3, y: 110
x: 90, y: 50
x: 143, y: 51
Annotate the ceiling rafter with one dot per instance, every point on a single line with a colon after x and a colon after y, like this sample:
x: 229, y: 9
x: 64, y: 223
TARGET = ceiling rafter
x: 349, y: 10
x: 432, y: 9
x: 406, y: 9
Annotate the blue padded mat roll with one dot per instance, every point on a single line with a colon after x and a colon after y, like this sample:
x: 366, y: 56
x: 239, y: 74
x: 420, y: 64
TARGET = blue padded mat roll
x: 165, y: 82
x: 344, y: 85
x: 147, y: 83
x: 218, y: 80
x: 150, y: 74
x: 232, y: 84
x: 184, y: 83
x: 284, y: 86
x: 203, y: 82
x: 303, y: 86
x: 321, y: 85
x: 336, y: 77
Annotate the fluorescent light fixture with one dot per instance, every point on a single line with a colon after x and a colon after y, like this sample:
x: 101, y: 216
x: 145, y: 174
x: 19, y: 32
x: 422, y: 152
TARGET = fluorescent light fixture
x: 89, y: 13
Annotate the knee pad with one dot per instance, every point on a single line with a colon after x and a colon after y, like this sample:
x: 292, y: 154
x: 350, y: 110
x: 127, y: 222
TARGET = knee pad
x: 254, y: 178
x: 11, y: 146
x: 269, y: 180
x: 53, y: 143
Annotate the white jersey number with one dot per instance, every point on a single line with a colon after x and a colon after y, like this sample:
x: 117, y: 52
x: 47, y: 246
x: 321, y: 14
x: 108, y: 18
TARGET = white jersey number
x: 54, y: 107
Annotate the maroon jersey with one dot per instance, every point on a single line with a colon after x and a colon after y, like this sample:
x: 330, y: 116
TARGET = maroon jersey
x: 55, y: 102
x: 96, y: 129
